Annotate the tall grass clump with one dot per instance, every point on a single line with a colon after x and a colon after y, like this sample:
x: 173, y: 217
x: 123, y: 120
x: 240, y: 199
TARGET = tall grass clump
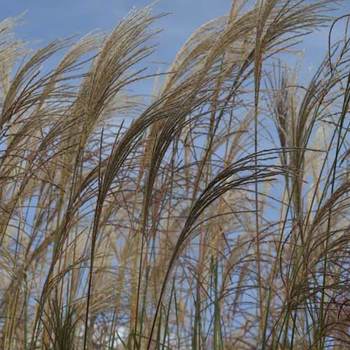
x: 212, y: 214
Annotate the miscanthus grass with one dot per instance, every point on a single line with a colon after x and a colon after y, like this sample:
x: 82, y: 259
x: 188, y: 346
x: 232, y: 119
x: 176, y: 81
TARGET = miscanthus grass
x: 213, y: 214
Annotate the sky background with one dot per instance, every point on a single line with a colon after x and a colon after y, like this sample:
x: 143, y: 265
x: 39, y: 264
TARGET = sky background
x: 46, y: 20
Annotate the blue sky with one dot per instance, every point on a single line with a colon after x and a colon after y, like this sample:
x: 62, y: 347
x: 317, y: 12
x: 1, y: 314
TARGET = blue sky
x: 46, y: 20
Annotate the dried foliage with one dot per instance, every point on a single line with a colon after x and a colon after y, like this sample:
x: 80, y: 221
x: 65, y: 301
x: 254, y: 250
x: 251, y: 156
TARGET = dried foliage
x: 212, y: 215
